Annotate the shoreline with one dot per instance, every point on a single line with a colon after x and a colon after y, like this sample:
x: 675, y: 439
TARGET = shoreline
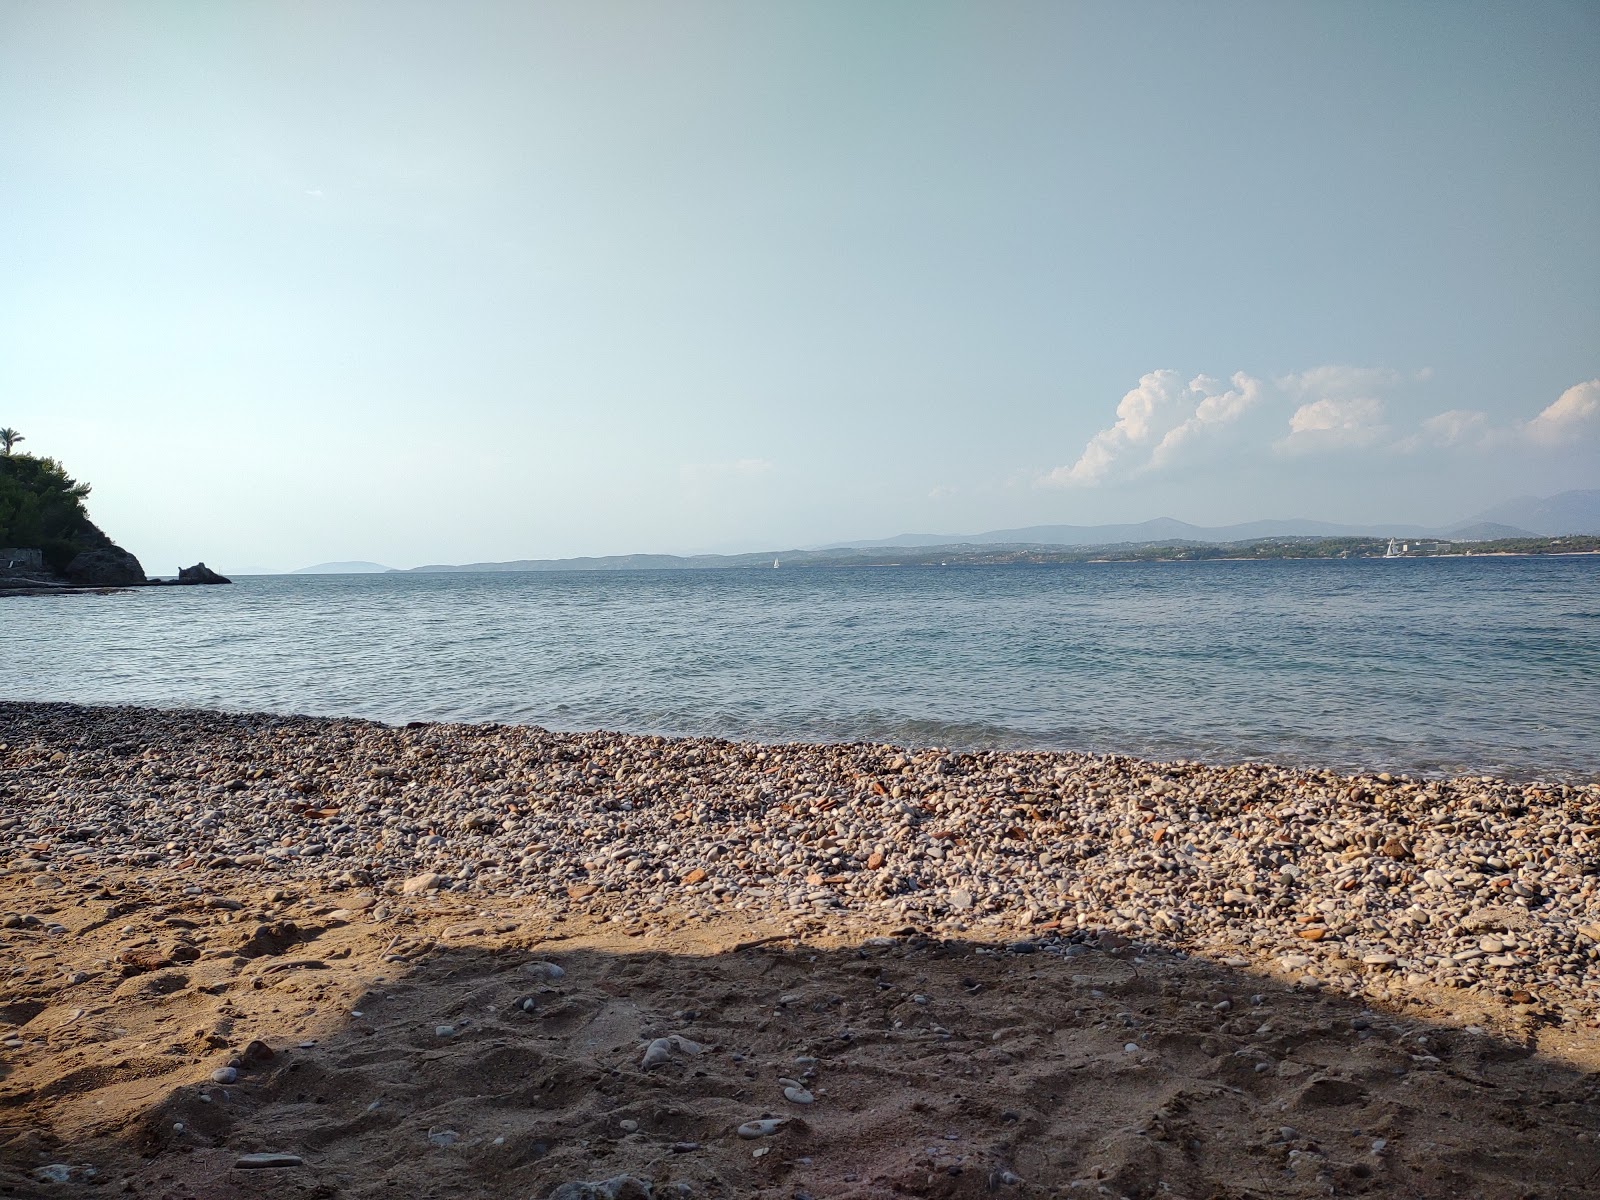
x: 1314, y: 871
x: 67, y: 589
x: 493, y: 960
x: 1517, y: 775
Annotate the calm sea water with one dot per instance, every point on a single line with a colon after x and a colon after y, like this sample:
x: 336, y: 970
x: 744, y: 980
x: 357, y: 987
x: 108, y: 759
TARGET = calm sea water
x: 1478, y: 665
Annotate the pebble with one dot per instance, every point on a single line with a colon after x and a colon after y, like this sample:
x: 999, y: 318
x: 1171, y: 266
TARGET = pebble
x: 619, y: 1187
x: 661, y: 1050
x: 428, y: 881
x: 544, y: 970
x: 224, y: 1075
x: 1472, y: 881
x: 764, y: 1127
x: 797, y: 1095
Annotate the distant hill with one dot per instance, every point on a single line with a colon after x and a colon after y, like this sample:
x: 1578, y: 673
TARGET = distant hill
x: 1487, y: 531
x: 344, y: 568
x: 1553, y: 516
x: 1161, y: 529
x: 1035, y: 553
x: 1167, y: 529
x: 1575, y: 512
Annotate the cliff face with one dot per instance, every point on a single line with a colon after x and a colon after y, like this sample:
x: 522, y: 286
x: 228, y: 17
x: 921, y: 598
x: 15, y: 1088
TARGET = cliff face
x: 42, y: 509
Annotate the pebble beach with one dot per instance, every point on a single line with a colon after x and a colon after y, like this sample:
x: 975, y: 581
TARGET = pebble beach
x: 995, y: 913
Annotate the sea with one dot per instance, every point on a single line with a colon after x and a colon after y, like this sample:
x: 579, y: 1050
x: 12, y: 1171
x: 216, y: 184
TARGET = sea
x: 1485, y: 665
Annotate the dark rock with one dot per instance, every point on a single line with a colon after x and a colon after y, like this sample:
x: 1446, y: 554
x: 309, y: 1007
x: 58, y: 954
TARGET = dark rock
x: 107, y: 566
x: 257, y: 1054
x: 619, y: 1187
x: 271, y: 939
x: 200, y: 573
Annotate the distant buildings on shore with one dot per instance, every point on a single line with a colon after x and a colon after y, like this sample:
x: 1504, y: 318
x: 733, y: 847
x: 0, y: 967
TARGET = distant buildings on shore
x: 1399, y: 549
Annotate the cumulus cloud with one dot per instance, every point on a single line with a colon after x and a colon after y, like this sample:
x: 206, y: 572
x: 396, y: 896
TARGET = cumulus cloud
x: 1575, y: 413
x: 1327, y: 409
x: 1334, y: 423
x: 1573, y: 416
x: 1341, y: 407
x: 1339, y: 382
x: 1216, y: 408
x: 1456, y: 425
x: 1153, y: 421
x: 1453, y: 427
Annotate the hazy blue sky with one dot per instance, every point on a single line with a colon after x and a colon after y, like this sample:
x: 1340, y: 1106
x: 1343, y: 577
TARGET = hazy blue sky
x: 441, y: 282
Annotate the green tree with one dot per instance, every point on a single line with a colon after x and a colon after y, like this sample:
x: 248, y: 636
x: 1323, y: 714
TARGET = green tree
x: 8, y: 438
x: 41, y: 507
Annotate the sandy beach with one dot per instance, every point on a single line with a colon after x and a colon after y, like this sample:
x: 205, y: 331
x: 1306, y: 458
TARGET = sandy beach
x: 464, y: 961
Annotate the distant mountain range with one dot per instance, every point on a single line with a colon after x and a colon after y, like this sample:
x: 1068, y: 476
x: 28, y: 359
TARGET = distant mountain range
x: 1167, y: 529
x: 1576, y: 512
x: 1556, y: 516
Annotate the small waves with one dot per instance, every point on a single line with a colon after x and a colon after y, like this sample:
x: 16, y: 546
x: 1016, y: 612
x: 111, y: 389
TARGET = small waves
x: 1483, y: 666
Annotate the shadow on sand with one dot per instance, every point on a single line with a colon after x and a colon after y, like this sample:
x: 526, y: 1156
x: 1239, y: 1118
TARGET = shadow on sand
x: 938, y: 1069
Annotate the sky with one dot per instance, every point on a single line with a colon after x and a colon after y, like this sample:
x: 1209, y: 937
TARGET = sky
x: 291, y: 282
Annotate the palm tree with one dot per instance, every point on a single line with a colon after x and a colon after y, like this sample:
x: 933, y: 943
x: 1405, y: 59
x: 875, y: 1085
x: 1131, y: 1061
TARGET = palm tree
x: 9, y: 438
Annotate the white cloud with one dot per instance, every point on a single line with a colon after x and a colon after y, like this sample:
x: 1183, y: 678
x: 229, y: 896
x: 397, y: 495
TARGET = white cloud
x: 1455, y: 427
x: 1341, y: 407
x: 1572, y: 416
x: 1161, y: 414
x: 1333, y: 423
x: 1340, y: 382
x: 1330, y: 409
x: 734, y: 470
x: 1215, y: 409
x: 1575, y: 412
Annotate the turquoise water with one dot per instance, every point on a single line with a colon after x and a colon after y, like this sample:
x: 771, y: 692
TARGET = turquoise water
x: 1478, y: 665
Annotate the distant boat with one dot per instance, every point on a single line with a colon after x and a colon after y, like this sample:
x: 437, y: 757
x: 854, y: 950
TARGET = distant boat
x: 774, y: 564
x: 1393, y: 551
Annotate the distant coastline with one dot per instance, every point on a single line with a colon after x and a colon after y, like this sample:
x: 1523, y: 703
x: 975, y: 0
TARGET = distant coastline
x: 1035, y: 554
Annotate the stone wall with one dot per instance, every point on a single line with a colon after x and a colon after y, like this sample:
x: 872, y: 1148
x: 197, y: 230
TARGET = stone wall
x: 21, y: 562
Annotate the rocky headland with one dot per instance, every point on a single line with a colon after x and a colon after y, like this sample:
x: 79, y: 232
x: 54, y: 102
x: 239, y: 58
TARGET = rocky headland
x: 504, y: 961
x: 48, y: 544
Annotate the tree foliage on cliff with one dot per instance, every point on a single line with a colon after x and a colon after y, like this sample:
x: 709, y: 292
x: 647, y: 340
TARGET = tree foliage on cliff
x: 41, y: 507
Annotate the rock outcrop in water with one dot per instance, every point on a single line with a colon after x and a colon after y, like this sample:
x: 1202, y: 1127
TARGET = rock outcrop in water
x: 200, y: 573
x: 51, y: 542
